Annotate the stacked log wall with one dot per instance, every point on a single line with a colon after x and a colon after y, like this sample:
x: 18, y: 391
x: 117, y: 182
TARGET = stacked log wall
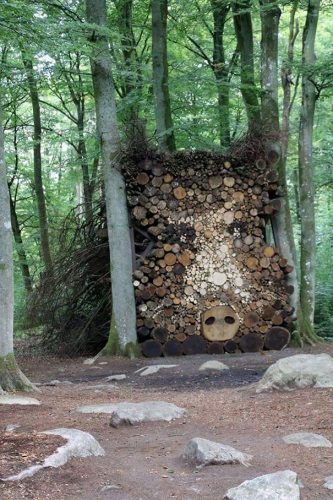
x: 207, y: 278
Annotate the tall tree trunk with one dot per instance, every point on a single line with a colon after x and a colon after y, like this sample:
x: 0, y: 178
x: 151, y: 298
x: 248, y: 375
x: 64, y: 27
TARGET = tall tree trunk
x: 220, y: 11
x: 132, y: 81
x: 11, y: 378
x: 244, y: 33
x: 306, y: 177
x: 283, y: 233
x: 163, y: 117
x: 38, y: 177
x: 122, y: 337
x: 82, y: 152
x: 22, y: 256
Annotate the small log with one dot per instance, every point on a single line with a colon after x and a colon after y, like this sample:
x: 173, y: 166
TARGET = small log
x: 251, y: 319
x: 151, y: 348
x: 179, y: 193
x: 277, y: 338
x: 230, y: 346
x: 277, y: 319
x: 142, y: 178
x: 269, y: 251
x: 170, y: 259
x: 160, y: 334
x: 268, y: 312
x: 228, y: 181
x: 181, y: 336
x: 195, y: 344
x: 173, y: 348
x: 251, y: 342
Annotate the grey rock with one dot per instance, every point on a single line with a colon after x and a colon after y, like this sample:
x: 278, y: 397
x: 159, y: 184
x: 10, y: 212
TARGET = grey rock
x: 135, y: 413
x: 299, y: 371
x: 121, y: 376
x: 281, y: 485
x: 149, y: 370
x: 308, y: 439
x: 204, y: 452
x: 5, y: 399
x: 213, y: 365
x: 329, y: 483
x: 79, y: 444
x: 12, y: 427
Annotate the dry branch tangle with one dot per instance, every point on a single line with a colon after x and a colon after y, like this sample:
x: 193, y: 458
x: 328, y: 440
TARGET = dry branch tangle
x: 207, y: 219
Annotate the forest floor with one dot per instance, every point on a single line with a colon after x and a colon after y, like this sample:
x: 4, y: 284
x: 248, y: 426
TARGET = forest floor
x: 144, y: 462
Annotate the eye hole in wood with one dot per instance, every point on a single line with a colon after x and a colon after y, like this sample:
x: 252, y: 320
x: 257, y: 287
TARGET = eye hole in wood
x: 229, y: 320
x: 210, y: 320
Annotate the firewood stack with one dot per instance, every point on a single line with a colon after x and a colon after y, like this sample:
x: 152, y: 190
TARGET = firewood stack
x: 208, y: 278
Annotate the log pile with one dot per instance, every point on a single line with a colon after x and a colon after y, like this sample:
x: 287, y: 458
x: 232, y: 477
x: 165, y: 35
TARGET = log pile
x: 208, y: 276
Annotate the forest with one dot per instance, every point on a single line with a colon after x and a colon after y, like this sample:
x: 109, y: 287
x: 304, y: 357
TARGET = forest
x: 102, y: 96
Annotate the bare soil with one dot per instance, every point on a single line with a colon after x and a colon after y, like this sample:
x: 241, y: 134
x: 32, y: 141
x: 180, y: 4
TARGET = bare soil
x: 144, y: 462
x: 19, y: 451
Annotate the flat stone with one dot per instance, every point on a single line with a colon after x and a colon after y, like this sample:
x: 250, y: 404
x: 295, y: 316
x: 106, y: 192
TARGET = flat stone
x: 281, y: 485
x: 121, y: 376
x: 204, y: 452
x: 12, y: 427
x: 328, y: 483
x: 213, y: 365
x: 5, y: 399
x: 149, y: 370
x: 136, y: 413
x: 308, y: 439
x: 299, y: 371
x: 79, y: 444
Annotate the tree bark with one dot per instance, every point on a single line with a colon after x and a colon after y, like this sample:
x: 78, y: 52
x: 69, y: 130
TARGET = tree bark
x: 38, y: 177
x: 281, y: 220
x: 163, y: 117
x: 220, y: 11
x: 244, y: 33
x: 306, y: 177
x: 122, y: 337
x: 11, y: 378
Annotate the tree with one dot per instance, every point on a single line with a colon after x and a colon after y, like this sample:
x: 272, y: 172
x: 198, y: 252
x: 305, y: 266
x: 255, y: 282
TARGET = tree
x: 11, y: 377
x: 122, y: 338
x: 244, y: 33
x: 163, y: 117
x: 306, y: 177
x: 38, y: 174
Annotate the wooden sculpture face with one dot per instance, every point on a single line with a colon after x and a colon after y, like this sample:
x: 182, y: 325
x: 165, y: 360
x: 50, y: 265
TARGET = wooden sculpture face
x: 219, y: 323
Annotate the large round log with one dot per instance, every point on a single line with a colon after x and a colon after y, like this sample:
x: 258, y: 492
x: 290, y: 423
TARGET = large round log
x: 194, y: 344
x: 277, y: 338
x: 230, y: 346
x: 143, y: 333
x: 219, y: 323
x: 215, y: 348
x: 251, y: 342
x: 151, y: 348
x: 160, y: 334
x: 173, y: 348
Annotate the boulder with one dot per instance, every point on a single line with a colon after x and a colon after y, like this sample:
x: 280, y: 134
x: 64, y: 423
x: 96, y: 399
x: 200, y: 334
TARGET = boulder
x: 136, y: 413
x: 79, y: 444
x: 213, y: 365
x: 204, y: 452
x: 329, y: 483
x: 308, y: 439
x: 299, y: 371
x: 281, y: 485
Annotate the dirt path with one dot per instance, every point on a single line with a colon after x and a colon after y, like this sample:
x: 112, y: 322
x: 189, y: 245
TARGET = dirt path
x: 144, y: 462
